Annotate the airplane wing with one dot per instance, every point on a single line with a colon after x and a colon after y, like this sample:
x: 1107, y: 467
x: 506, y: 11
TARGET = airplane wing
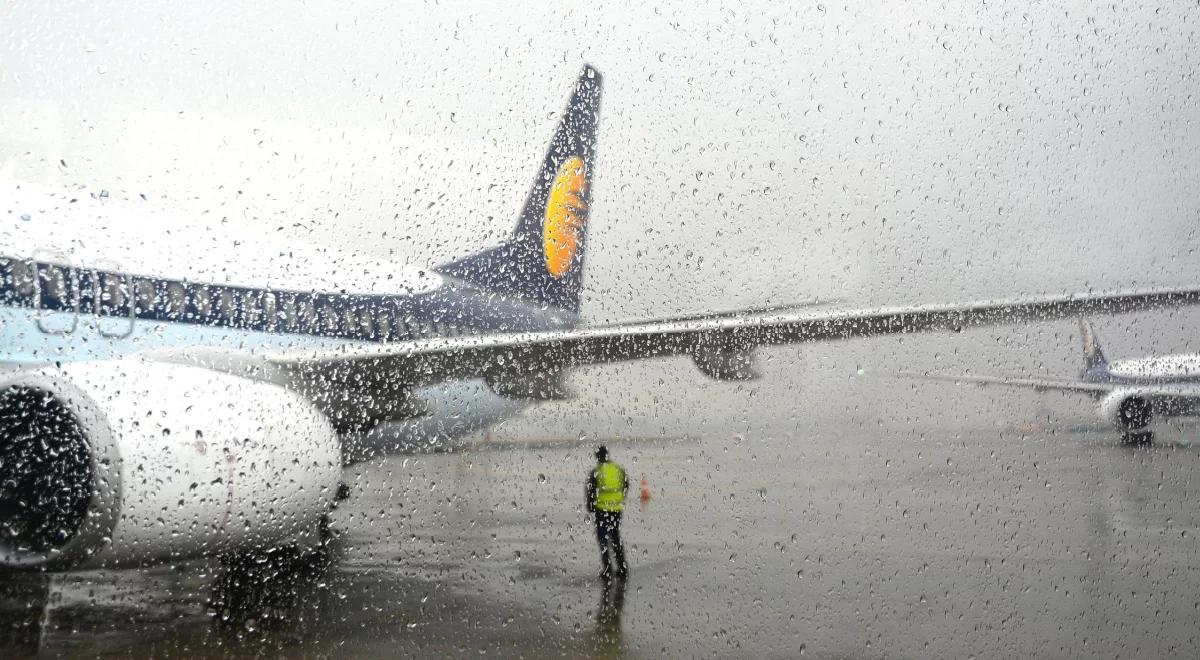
x: 1036, y: 384
x: 475, y: 354
x: 720, y: 346
x: 734, y: 313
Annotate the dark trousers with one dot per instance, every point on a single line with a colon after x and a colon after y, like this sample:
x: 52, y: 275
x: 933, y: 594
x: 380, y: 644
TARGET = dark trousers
x: 608, y: 534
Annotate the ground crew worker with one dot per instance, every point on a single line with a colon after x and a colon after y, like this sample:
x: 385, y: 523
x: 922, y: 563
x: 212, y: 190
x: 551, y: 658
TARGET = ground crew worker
x: 606, y: 486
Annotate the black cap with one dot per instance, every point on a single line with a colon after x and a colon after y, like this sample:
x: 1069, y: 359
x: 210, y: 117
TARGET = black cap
x: 601, y: 453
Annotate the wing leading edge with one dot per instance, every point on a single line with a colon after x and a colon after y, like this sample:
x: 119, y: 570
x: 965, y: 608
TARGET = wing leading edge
x: 1036, y: 384
x: 382, y: 368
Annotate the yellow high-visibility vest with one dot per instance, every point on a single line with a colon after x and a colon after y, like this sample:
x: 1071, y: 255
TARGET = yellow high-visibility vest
x: 610, y: 487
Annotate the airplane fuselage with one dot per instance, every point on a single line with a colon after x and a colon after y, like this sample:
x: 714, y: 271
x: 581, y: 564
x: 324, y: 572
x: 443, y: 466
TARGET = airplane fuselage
x: 86, y: 277
x: 1155, y: 370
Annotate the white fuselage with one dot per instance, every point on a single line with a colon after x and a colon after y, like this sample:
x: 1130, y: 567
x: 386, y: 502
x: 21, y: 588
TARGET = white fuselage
x: 88, y: 277
x: 1179, y: 368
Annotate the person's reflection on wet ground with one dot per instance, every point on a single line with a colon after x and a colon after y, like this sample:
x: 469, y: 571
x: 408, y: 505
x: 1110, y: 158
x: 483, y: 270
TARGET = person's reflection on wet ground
x: 608, y: 637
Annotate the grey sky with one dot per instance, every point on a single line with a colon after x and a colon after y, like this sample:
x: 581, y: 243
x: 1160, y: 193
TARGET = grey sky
x: 749, y: 155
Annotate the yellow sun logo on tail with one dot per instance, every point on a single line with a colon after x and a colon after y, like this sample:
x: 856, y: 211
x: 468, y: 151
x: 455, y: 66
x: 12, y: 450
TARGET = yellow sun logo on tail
x: 566, y: 212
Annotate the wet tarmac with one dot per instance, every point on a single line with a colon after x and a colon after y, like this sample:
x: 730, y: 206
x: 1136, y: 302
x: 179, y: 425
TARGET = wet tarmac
x: 858, y: 542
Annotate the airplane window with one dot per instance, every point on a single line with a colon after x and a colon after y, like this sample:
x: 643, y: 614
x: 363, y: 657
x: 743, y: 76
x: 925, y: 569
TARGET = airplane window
x: 383, y: 324
x: 54, y: 285
x: 251, y: 308
x: 227, y: 304
x: 113, y: 298
x: 366, y: 322
x: 287, y: 313
x: 177, y: 300
x: 145, y: 295
x: 7, y: 283
x: 269, y: 314
x: 307, y: 314
x: 202, y: 302
x: 21, y: 275
x: 406, y: 325
x: 329, y: 316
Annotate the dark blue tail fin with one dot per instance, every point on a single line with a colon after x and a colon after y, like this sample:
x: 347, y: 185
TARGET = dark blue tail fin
x: 1095, y: 365
x: 542, y: 262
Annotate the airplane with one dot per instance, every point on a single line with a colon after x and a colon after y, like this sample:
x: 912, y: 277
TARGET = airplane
x: 1130, y: 394
x: 173, y: 393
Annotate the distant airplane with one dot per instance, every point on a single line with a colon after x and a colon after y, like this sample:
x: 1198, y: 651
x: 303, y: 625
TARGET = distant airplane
x: 1130, y: 393
x: 174, y: 393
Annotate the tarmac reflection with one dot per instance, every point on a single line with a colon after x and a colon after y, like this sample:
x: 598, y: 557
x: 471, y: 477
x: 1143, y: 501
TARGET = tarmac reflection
x: 1032, y: 544
x: 23, y: 602
x: 608, y: 635
x: 266, y: 592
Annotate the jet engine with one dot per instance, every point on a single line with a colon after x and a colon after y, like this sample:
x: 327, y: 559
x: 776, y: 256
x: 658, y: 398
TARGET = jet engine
x: 1127, y: 409
x: 131, y: 462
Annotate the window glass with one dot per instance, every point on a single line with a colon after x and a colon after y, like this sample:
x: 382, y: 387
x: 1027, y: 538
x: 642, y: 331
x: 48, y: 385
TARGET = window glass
x: 307, y: 313
x: 269, y: 315
x: 113, y: 292
x: 54, y: 284
x: 329, y: 316
x: 145, y: 295
x: 251, y: 307
x: 383, y: 324
x: 177, y: 300
x: 227, y: 300
x: 21, y: 274
x: 366, y: 322
x: 288, y: 315
x: 202, y: 302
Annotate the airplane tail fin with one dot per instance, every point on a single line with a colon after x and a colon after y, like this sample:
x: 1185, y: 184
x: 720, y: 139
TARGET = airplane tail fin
x: 1095, y: 365
x: 542, y: 262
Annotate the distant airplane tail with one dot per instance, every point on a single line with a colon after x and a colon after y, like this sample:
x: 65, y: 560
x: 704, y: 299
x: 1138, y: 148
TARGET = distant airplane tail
x: 542, y: 262
x: 1095, y: 365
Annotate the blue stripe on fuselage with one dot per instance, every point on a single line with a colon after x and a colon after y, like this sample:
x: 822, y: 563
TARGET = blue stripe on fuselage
x: 63, y: 314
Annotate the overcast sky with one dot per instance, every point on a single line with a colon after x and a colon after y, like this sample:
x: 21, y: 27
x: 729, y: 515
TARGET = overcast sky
x: 869, y: 153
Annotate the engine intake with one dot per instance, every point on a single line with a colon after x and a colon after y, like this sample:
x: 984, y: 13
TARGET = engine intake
x: 1129, y: 409
x: 46, y: 478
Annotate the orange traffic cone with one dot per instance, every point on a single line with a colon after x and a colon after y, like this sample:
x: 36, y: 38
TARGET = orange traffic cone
x: 645, y: 490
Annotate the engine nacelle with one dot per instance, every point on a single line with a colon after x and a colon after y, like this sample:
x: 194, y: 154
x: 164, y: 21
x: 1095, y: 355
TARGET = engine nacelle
x: 723, y: 363
x: 132, y: 462
x: 1127, y: 409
